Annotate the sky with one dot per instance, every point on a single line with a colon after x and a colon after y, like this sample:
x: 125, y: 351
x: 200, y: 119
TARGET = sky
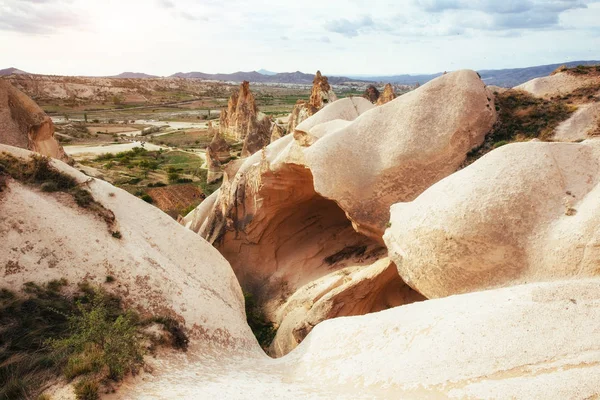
x: 338, y: 37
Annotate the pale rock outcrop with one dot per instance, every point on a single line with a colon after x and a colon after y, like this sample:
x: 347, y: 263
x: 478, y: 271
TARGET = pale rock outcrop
x: 394, y: 152
x: 47, y: 236
x: 285, y: 212
x: 347, y: 109
x: 321, y: 95
x: 259, y: 135
x: 349, y: 291
x: 371, y: 94
x: 538, y: 341
x: 559, y: 84
x: 584, y: 123
x: 387, y: 95
x: 524, y: 212
x: 24, y: 124
x: 240, y: 118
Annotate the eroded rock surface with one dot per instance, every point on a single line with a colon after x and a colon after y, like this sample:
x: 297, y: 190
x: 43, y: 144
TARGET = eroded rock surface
x: 217, y: 153
x: 538, y: 341
x: 24, y: 124
x: 283, y: 214
x: 394, y: 152
x: 372, y: 94
x: 259, y: 135
x: 387, y: 95
x: 240, y: 118
x: 321, y: 95
x: 524, y: 212
x: 48, y: 236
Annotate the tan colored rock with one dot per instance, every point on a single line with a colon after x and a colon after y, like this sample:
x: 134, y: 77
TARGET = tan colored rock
x: 559, y: 84
x: 277, y: 132
x: 347, y: 109
x: 321, y: 95
x: 347, y: 292
x: 394, y: 152
x: 47, y: 236
x: 524, y: 212
x: 387, y: 95
x: 371, y: 94
x: 290, y: 208
x: 217, y: 153
x: 259, y: 135
x: 582, y: 124
x: 24, y: 124
x: 240, y: 117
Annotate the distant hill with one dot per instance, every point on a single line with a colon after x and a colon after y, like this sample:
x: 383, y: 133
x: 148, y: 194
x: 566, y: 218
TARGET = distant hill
x: 498, y: 77
x: 12, y: 71
x: 134, y: 75
x: 266, y: 72
x: 256, y: 77
x: 516, y: 76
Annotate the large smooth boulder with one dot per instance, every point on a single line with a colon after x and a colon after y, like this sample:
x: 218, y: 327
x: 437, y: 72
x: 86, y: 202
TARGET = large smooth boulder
x: 394, y: 152
x: 525, y: 212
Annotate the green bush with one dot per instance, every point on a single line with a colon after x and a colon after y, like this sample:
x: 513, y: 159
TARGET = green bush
x: 173, y: 177
x: 87, y: 389
x: 99, y: 341
x: 147, y: 198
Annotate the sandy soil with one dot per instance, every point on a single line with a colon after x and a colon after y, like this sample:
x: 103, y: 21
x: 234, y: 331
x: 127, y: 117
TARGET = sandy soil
x: 82, y: 152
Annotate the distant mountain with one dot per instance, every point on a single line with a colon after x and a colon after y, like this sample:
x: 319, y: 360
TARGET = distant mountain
x: 134, y: 75
x: 256, y: 77
x: 265, y: 72
x: 516, y: 76
x: 12, y: 71
x: 498, y: 77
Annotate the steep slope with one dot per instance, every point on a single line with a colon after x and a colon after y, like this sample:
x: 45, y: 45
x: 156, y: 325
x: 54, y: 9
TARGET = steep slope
x: 48, y: 236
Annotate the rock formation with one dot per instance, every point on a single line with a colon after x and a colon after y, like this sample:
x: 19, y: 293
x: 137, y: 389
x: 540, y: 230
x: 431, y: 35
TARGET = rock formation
x: 259, y: 135
x: 349, y: 291
x: 241, y: 114
x: 524, y: 212
x: 321, y: 94
x: 559, y: 84
x: 387, y: 95
x: 57, y: 239
x: 317, y: 201
x: 538, y: 341
x: 277, y: 132
x: 581, y: 125
x: 371, y: 94
x: 347, y: 109
x: 217, y: 153
x: 24, y: 124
